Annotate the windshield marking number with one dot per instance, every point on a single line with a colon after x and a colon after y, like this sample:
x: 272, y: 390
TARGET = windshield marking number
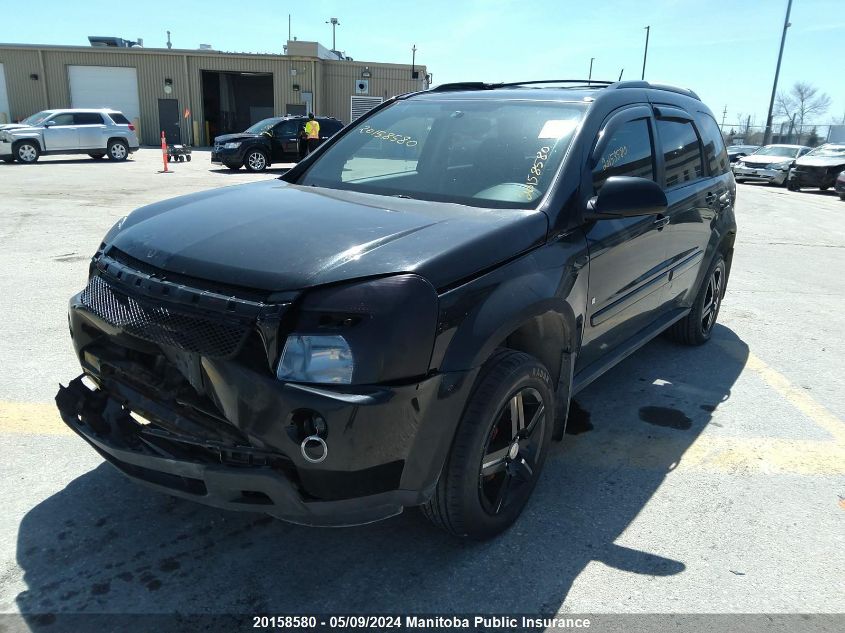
x: 407, y: 141
x: 536, y: 171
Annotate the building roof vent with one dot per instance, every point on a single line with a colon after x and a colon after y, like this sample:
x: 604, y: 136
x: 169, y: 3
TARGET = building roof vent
x: 108, y: 41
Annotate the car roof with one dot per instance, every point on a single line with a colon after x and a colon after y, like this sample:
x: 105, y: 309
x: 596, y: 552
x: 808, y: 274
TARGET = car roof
x: 788, y: 146
x: 106, y: 110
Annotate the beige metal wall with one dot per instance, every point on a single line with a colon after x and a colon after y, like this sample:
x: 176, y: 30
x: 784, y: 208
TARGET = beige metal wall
x: 331, y: 82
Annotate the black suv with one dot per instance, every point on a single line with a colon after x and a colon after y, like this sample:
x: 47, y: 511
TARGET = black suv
x: 277, y: 139
x: 402, y: 318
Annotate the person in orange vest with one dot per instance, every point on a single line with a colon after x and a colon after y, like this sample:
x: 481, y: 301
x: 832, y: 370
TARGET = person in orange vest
x: 312, y: 131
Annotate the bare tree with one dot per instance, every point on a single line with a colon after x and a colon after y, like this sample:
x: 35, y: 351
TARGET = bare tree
x: 802, y: 101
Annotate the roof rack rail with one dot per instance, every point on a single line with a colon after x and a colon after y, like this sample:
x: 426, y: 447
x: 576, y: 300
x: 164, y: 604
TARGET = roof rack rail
x: 479, y: 85
x: 465, y: 85
x: 586, y: 82
x: 645, y: 84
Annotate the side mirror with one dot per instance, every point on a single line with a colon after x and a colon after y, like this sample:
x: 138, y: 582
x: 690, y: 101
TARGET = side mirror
x: 49, y: 123
x: 625, y: 197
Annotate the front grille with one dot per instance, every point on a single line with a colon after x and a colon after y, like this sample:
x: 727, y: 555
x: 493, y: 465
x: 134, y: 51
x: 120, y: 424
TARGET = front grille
x: 157, y: 323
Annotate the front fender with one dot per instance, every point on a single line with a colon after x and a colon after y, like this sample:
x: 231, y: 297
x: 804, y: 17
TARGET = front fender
x: 548, y: 282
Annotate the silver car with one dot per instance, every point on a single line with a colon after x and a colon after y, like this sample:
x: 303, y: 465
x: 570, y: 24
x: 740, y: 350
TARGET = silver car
x: 97, y: 133
x: 768, y: 164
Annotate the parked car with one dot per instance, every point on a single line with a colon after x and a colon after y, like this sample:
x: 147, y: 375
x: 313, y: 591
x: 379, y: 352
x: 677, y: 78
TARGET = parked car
x: 402, y: 318
x: 769, y: 164
x: 97, y: 133
x: 272, y: 140
x: 819, y: 168
x: 839, y: 186
x: 735, y: 152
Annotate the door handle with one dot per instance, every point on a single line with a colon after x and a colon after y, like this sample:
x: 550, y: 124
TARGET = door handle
x: 661, y: 221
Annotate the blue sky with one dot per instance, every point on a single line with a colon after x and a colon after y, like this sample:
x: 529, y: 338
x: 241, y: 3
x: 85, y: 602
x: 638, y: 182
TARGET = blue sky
x: 724, y: 49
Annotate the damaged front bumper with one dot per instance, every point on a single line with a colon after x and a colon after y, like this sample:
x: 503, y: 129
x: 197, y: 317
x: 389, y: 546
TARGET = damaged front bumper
x: 238, y: 444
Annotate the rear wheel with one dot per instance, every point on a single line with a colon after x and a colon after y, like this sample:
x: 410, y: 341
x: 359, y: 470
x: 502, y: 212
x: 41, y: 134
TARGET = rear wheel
x: 255, y: 160
x: 697, y: 326
x: 117, y: 150
x: 499, y: 449
x: 188, y: 158
x: 26, y: 152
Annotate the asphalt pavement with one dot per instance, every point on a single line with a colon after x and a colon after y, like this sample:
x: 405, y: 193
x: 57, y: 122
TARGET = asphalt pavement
x: 704, y: 480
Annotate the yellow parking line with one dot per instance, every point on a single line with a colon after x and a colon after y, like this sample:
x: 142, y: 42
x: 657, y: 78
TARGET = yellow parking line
x: 38, y: 418
x: 797, y: 397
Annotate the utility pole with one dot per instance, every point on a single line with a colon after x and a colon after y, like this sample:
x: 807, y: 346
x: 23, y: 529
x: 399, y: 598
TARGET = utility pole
x: 590, y: 76
x: 335, y: 24
x: 169, y: 45
x: 645, y: 53
x: 413, y: 60
x: 288, y: 27
x: 724, y: 114
x: 767, y: 135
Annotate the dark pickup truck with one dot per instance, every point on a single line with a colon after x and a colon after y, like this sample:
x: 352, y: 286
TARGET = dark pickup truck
x: 273, y: 140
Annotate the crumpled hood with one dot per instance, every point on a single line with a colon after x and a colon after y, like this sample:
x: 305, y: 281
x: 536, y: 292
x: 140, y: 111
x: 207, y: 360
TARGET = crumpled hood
x: 16, y: 127
x: 753, y: 159
x: 820, y: 161
x: 277, y: 236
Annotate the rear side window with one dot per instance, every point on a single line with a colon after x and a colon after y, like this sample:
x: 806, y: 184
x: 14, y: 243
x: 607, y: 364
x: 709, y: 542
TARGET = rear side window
x: 715, y: 152
x: 681, y: 152
x: 328, y: 128
x: 118, y: 118
x: 87, y: 118
x: 628, y: 153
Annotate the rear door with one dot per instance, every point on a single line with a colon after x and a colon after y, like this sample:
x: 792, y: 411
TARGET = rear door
x: 627, y: 255
x: 91, y: 129
x: 60, y: 133
x: 693, y: 196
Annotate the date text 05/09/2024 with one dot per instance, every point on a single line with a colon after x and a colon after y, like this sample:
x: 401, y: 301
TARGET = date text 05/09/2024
x: 419, y: 622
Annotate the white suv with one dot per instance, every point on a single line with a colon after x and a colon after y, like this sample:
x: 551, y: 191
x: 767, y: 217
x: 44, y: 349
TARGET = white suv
x: 97, y: 133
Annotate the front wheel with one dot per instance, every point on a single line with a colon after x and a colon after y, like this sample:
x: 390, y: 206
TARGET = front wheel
x: 697, y: 326
x: 499, y: 449
x: 255, y: 160
x: 26, y: 152
x: 117, y: 150
x: 792, y: 185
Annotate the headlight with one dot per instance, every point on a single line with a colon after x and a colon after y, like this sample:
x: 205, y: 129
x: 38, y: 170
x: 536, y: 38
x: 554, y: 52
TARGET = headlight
x: 233, y: 145
x: 739, y: 163
x: 360, y: 333
x: 323, y: 359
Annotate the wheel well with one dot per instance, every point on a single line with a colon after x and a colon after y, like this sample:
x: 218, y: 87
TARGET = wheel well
x: 117, y: 138
x: 726, y: 248
x: 546, y: 337
x: 31, y: 140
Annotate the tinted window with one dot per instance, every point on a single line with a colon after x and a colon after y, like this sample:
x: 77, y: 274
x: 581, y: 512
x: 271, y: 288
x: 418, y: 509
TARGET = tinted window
x: 286, y: 129
x: 681, y: 151
x: 62, y: 119
x: 87, y: 118
x: 714, y: 147
x: 329, y: 127
x: 627, y: 153
x: 118, y: 118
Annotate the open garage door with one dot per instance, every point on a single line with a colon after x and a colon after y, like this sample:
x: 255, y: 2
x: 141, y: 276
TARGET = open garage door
x: 5, y: 115
x: 105, y: 87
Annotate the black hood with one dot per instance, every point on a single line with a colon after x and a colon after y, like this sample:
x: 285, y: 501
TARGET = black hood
x: 277, y: 236
x: 240, y: 136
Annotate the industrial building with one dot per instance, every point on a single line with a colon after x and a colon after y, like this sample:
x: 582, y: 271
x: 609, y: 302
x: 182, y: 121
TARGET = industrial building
x: 194, y: 95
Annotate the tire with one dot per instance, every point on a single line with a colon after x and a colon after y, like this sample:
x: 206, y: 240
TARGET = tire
x: 792, y: 185
x: 697, y: 326
x: 255, y: 160
x: 188, y: 158
x: 97, y: 156
x: 842, y: 197
x: 479, y: 500
x: 117, y: 150
x: 823, y: 188
x: 26, y: 152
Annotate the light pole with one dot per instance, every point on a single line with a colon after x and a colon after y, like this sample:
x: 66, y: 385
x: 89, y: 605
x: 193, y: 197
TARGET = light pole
x: 334, y: 22
x: 590, y: 76
x: 767, y: 135
x: 645, y: 52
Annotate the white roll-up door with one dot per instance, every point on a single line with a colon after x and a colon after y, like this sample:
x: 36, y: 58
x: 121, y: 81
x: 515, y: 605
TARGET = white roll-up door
x: 105, y: 87
x: 5, y: 115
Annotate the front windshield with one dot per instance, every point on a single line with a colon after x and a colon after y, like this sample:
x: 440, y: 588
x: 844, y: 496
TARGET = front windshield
x: 35, y: 119
x: 774, y: 150
x: 835, y: 151
x: 480, y: 153
x: 262, y: 126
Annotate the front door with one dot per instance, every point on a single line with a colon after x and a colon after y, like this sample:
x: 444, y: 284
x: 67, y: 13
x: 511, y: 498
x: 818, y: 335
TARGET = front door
x: 60, y: 133
x: 286, y: 140
x: 168, y: 120
x: 628, y: 266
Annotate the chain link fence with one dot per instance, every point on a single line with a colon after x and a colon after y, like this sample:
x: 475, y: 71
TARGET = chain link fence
x: 744, y: 133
